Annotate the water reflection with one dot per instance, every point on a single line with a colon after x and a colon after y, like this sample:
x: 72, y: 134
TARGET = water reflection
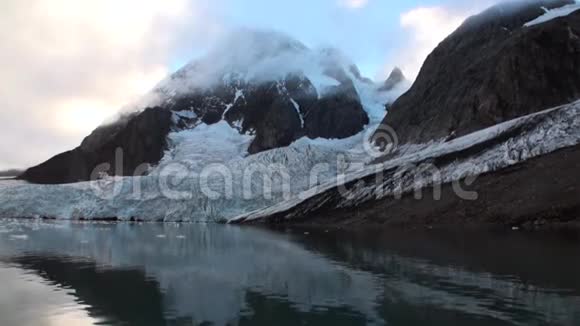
x: 28, y: 299
x: 128, y: 274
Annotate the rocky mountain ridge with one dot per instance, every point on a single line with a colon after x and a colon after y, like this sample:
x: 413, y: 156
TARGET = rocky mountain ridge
x: 492, y: 69
x: 263, y: 84
x: 483, y: 114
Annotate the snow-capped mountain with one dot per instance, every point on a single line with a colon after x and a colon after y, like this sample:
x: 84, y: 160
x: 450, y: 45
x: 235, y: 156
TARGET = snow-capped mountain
x: 258, y: 102
x: 264, y: 85
x: 271, y: 127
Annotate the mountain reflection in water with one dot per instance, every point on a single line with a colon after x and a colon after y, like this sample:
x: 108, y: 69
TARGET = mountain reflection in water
x: 153, y: 274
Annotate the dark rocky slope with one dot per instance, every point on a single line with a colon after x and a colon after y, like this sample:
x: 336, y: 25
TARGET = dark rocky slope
x: 481, y: 75
x: 534, y: 194
x: 279, y: 112
x: 141, y: 139
x: 492, y: 69
x: 276, y: 111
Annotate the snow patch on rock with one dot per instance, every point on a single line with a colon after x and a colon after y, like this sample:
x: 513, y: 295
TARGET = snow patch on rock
x: 553, y: 14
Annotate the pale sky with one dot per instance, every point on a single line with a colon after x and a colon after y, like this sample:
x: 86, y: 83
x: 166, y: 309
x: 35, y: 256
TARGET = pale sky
x: 66, y: 65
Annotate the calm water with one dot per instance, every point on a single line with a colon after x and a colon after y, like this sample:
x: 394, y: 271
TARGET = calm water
x: 129, y: 274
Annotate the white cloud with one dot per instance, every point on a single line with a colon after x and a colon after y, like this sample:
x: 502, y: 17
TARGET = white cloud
x: 353, y: 4
x: 425, y: 28
x: 67, y: 64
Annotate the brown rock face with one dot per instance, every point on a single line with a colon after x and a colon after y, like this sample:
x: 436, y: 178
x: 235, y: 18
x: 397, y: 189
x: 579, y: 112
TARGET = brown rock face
x: 279, y: 113
x: 490, y: 70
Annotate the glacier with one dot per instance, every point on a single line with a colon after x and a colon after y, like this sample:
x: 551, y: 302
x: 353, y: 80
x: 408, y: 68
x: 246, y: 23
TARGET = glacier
x: 207, y: 174
x: 487, y: 150
x: 172, y: 191
x: 203, y: 176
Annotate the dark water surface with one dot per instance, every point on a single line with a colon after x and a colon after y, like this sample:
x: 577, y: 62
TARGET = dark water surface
x: 150, y: 274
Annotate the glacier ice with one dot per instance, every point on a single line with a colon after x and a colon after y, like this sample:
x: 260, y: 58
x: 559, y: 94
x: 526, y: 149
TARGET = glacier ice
x: 206, y: 175
x: 536, y: 134
x: 217, y: 155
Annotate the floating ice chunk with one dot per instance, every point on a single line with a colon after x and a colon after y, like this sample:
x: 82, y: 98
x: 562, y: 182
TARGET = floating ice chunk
x: 19, y: 237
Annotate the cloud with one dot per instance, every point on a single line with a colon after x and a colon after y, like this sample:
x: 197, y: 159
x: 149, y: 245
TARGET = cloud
x: 353, y: 4
x: 68, y: 64
x: 425, y: 28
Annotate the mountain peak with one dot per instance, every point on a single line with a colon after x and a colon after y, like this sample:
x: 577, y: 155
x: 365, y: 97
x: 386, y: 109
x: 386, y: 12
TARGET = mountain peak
x: 249, y: 56
x: 247, y: 46
x: 395, y: 77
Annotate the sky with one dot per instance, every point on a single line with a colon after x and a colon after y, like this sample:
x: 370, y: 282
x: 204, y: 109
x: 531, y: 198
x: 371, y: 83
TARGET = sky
x: 67, y: 65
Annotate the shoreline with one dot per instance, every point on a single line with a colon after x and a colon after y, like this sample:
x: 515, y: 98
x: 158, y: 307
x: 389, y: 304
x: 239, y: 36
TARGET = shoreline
x: 572, y: 226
